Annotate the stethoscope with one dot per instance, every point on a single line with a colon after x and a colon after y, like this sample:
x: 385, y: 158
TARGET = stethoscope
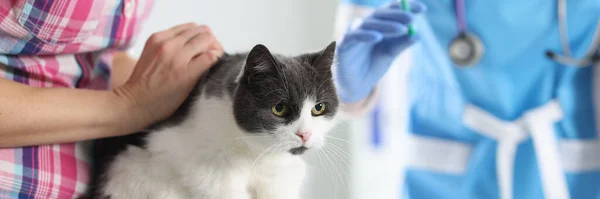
x: 466, y: 49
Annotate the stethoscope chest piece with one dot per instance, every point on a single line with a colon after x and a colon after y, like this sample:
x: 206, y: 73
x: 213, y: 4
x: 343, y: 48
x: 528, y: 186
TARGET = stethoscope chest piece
x: 466, y: 49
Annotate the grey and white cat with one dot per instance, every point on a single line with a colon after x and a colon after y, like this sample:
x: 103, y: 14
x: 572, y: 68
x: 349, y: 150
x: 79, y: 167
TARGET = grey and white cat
x: 237, y: 136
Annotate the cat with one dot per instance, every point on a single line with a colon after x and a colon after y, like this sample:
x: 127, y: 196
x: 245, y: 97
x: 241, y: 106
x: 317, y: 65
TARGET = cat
x: 239, y: 134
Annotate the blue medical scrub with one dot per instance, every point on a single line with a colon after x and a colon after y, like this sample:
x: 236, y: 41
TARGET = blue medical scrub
x: 513, y: 78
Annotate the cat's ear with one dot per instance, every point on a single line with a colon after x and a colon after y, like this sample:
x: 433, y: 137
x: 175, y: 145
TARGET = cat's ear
x: 323, y: 60
x: 259, y: 60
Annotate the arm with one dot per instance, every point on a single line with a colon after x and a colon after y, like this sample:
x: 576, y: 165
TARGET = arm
x: 122, y: 68
x: 349, y: 12
x: 35, y: 116
x: 371, y: 37
x: 161, y: 81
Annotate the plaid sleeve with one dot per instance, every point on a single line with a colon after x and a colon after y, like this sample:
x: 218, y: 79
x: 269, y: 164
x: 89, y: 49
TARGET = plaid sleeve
x: 59, y: 43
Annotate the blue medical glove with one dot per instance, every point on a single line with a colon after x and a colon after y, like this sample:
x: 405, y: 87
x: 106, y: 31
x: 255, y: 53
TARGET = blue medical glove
x: 366, y: 53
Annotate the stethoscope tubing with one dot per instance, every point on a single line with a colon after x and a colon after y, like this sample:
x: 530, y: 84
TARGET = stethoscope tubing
x: 591, y: 57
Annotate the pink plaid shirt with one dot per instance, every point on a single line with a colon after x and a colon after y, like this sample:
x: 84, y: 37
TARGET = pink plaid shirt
x: 59, y: 43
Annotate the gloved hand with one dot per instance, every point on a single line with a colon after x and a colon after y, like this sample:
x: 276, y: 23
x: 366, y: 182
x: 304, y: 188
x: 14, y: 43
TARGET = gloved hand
x: 366, y: 53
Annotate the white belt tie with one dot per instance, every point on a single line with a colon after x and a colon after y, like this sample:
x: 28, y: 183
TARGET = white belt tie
x: 539, y: 122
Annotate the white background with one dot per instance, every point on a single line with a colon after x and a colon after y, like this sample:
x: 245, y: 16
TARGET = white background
x: 292, y: 27
x: 284, y: 26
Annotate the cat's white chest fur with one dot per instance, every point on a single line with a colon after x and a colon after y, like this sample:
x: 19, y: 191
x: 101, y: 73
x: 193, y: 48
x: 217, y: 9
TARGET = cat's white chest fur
x: 205, y: 158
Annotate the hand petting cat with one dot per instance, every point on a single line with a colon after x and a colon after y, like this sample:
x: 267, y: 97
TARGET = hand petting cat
x: 170, y: 66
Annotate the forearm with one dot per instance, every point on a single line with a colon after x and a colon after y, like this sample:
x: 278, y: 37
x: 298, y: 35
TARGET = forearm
x: 36, y: 116
x: 122, y: 67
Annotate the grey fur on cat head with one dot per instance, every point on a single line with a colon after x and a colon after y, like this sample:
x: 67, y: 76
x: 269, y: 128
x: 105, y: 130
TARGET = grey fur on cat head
x: 270, y: 79
x: 258, y: 80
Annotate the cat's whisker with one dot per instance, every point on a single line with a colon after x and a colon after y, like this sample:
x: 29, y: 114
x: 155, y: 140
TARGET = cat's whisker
x: 322, y: 83
x: 329, y: 172
x: 275, y: 149
x: 338, y: 139
x: 272, y: 149
x: 336, y: 173
x: 343, y: 160
x: 275, y: 90
x: 345, y: 177
x: 261, y: 154
x: 339, y: 153
x: 340, y: 150
x: 321, y: 164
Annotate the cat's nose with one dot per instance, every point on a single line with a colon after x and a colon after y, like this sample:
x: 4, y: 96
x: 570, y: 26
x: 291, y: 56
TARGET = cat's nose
x: 304, y: 136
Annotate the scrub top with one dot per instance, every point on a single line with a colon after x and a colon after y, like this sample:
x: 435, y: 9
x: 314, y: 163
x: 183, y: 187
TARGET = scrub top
x: 516, y: 124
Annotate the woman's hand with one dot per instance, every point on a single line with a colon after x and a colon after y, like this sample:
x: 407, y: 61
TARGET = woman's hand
x: 168, y: 69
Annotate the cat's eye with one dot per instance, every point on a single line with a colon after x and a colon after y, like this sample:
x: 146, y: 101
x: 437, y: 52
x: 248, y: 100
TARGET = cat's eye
x: 279, y: 109
x: 318, y: 109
